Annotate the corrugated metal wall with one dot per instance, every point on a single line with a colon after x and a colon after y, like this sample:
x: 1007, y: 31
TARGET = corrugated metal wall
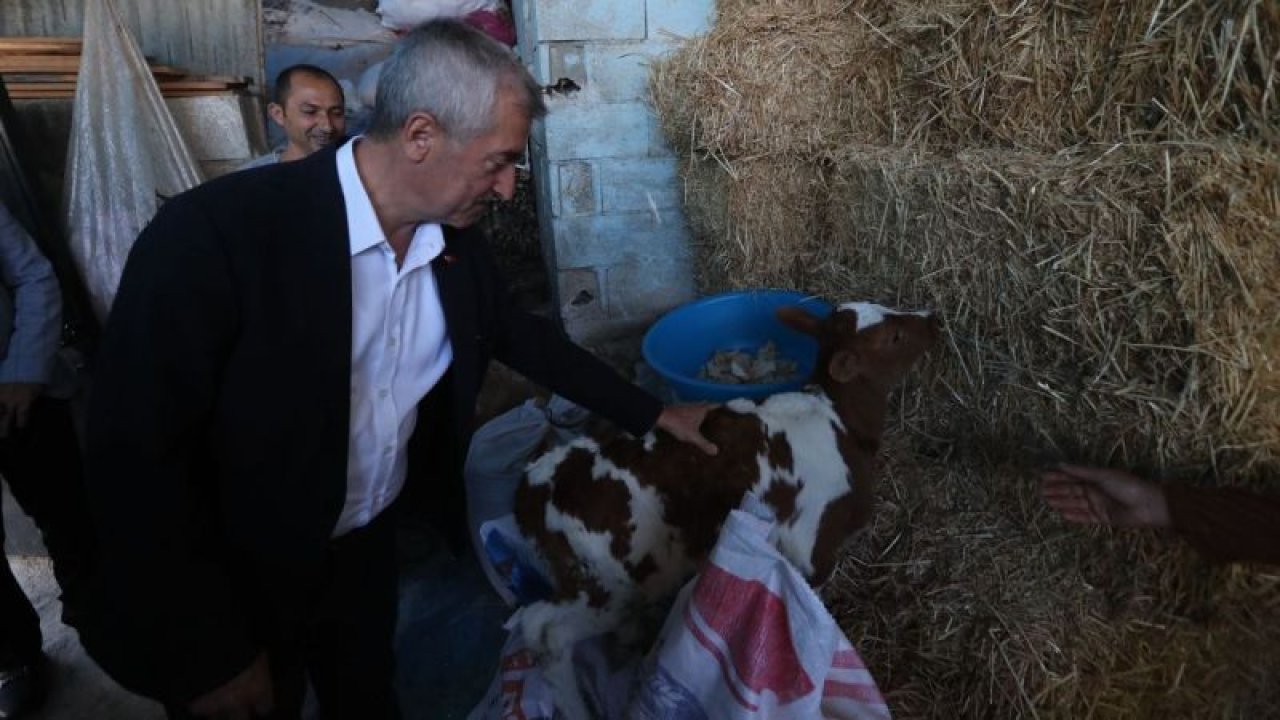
x: 208, y: 37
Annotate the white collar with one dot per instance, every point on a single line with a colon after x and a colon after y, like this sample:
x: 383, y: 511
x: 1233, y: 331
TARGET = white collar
x: 363, y: 229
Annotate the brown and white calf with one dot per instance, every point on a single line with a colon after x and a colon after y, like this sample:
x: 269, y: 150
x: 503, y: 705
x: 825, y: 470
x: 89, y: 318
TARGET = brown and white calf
x: 623, y: 524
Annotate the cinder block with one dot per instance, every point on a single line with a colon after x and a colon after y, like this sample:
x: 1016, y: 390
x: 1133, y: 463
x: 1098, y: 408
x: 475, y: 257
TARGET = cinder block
x: 639, y: 184
x: 619, y: 72
x: 683, y: 18
x: 577, y: 188
x: 592, y: 240
x: 641, y: 290
x: 589, y: 20
x: 582, y: 305
x: 579, y: 131
x: 659, y: 146
x: 567, y: 60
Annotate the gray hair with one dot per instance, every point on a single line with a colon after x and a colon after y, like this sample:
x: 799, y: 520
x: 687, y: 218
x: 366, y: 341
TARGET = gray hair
x: 454, y: 72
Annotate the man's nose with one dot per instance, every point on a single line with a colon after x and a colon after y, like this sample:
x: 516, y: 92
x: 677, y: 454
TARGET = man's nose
x: 324, y: 123
x: 505, y: 185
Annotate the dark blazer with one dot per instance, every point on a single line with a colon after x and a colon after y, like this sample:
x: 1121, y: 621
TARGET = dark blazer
x: 218, y: 419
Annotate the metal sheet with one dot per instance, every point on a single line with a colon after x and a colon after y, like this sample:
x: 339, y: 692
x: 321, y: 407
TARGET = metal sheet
x: 208, y: 37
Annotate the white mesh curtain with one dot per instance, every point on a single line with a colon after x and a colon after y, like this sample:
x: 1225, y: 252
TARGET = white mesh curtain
x: 126, y: 153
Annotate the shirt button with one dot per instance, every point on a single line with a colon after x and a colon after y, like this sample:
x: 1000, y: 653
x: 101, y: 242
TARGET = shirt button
x: 394, y: 341
x: 383, y: 393
x: 388, y: 450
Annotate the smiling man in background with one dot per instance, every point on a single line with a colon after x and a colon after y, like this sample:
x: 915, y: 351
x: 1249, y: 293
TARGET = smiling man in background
x: 310, y: 107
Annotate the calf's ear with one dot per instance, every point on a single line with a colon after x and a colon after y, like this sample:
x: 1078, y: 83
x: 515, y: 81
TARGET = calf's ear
x: 798, y: 319
x: 843, y: 366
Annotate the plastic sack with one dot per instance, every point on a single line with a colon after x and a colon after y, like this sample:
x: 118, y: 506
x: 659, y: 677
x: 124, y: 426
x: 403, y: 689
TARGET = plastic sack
x: 406, y: 14
x: 745, y: 639
x: 500, y: 450
x: 520, y: 688
x: 126, y: 156
x: 748, y: 638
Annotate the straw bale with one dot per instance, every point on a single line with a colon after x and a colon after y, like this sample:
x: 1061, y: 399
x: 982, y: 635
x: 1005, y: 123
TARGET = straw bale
x: 1118, y: 302
x: 731, y: 208
x: 807, y: 76
x: 1090, y: 193
x: 967, y: 598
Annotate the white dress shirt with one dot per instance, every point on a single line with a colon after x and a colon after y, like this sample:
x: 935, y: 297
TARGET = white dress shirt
x: 399, y: 349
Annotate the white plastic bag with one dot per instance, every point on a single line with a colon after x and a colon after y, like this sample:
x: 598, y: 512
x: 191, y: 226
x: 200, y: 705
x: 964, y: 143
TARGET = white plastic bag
x: 518, y: 690
x: 406, y: 14
x: 749, y: 639
x: 500, y: 450
x: 126, y: 156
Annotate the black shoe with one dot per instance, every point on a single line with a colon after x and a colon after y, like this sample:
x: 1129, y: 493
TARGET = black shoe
x: 22, y: 690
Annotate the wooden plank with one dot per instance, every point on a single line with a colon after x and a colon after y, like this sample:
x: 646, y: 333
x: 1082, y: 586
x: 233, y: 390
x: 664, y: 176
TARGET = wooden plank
x: 69, y: 94
x: 17, y: 88
x: 227, y: 80
x: 39, y: 63
x: 40, y: 94
x: 61, y: 64
x: 12, y: 78
x: 26, y: 45
x: 165, y: 86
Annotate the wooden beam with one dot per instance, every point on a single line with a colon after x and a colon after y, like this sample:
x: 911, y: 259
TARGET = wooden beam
x: 60, y: 64
x: 39, y: 45
x: 166, y: 86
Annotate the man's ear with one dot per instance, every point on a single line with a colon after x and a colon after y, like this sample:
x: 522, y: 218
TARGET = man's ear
x: 420, y: 134
x: 276, y: 112
x: 843, y: 366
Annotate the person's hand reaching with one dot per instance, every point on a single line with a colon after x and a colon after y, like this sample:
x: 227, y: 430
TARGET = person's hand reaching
x: 684, y: 423
x: 1099, y: 496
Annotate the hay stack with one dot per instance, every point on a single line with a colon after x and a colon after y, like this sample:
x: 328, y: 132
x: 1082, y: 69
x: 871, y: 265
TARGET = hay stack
x: 1090, y: 192
x: 967, y: 600
x: 805, y: 76
x: 1120, y: 302
x: 1110, y: 299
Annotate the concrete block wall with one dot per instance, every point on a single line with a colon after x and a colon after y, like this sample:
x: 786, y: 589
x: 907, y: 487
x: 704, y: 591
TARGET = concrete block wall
x: 614, y: 234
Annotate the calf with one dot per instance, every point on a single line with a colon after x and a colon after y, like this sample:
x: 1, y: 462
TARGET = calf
x: 622, y: 525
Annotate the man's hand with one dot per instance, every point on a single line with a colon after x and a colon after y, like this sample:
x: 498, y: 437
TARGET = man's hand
x: 15, y: 405
x: 684, y: 421
x: 245, y: 696
x: 1098, y: 496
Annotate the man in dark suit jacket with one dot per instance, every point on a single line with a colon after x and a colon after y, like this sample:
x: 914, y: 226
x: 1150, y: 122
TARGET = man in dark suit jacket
x: 277, y: 337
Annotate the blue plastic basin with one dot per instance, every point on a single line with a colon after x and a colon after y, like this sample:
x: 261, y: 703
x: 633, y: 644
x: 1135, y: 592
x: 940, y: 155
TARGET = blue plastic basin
x: 681, y: 342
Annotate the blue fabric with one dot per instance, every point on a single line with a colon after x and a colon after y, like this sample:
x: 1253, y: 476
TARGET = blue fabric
x: 32, y: 329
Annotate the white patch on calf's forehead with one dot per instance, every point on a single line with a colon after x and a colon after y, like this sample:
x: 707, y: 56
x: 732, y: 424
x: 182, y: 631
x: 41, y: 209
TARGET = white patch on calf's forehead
x: 871, y: 314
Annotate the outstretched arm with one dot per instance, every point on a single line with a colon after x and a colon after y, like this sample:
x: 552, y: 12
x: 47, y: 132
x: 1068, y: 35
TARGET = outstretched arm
x: 1226, y: 524
x: 1100, y: 496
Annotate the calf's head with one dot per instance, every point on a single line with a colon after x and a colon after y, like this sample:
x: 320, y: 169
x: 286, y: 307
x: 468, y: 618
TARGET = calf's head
x: 864, y: 343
